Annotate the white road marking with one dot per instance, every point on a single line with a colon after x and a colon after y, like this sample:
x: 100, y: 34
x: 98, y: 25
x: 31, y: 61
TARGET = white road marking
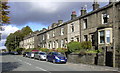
x: 28, y: 63
x: 20, y: 60
x: 41, y: 69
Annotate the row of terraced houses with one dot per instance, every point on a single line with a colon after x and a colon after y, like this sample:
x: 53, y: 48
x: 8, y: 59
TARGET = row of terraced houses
x: 100, y: 26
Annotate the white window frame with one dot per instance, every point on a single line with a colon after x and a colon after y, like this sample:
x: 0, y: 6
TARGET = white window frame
x: 106, y: 29
x: 43, y: 37
x: 56, y: 43
x: 48, y: 36
x: 84, y: 24
x: 62, y: 31
x: 103, y: 19
x: 104, y: 36
x: 53, y: 33
x: 72, y: 26
x: 62, y: 42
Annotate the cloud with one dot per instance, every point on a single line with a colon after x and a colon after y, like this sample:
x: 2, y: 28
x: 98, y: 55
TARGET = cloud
x: 44, y: 13
x: 7, y: 30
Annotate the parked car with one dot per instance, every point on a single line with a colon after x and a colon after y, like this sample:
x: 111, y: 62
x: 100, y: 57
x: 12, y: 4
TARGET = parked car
x: 40, y: 55
x: 56, y: 57
x: 31, y: 54
x: 25, y: 54
x: 14, y: 53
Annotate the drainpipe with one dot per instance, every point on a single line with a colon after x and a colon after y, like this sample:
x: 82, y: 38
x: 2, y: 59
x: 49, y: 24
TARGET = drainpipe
x: 113, y: 34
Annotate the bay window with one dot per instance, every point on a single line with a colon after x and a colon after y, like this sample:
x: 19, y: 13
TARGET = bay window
x: 105, y: 36
x: 102, y: 36
x: 108, y: 36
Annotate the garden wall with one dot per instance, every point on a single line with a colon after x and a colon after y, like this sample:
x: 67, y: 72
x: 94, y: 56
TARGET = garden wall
x: 85, y: 59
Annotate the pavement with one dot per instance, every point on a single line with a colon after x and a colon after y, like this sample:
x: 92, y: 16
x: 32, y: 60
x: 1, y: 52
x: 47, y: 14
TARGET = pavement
x: 20, y: 63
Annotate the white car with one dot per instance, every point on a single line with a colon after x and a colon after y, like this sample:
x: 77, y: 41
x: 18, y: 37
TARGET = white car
x: 40, y: 56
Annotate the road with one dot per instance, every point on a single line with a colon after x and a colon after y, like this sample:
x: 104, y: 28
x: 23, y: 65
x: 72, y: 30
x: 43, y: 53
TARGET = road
x: 19, y: 63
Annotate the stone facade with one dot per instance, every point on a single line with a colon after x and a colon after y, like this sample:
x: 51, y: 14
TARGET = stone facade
x: 100, y: 26
x: 30, y: 41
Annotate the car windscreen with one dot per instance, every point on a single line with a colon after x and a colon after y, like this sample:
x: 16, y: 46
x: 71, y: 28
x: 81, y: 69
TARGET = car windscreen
x: 42, y: 53
x: 58, y: 54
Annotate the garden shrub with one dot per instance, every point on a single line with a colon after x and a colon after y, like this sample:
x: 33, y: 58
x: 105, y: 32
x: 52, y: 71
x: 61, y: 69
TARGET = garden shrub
x: 86, y: 45
x: 74, y: 46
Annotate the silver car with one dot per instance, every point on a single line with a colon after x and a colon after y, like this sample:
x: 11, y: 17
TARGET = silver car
x: 40, y: 55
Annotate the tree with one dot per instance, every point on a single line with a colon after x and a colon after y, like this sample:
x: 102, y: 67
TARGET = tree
x: 74, y: 46
x: 14, y: 39
x: 5, y: 19
x: 10, y: 42
x: 25, y: 31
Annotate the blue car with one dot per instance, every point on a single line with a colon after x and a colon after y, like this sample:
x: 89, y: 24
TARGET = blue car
x: 56, y: 57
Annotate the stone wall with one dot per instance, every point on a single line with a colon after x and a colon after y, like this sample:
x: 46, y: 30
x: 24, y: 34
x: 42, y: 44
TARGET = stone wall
x: 101, y: 59
x: 85, y: 59
x: 117, y: 60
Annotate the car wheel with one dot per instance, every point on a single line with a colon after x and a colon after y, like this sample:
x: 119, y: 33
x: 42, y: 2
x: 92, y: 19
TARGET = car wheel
x: 54, y: 61
x: 39, y: 58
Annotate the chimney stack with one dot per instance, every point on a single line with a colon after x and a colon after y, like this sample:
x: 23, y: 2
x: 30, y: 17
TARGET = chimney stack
x: 111, y: 1
x: 73, y: 15
x: 95, y: 5
x: 60, y: 21
x: 83, y: 11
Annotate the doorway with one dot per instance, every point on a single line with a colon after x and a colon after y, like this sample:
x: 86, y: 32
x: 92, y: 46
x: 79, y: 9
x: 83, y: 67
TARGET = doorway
x: 109, y: 59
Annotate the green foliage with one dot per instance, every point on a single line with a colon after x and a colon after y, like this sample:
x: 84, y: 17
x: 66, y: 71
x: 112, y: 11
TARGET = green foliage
x: 14, y: 39
x: 74, y: 46
x: 44, y: 50
x: 62, y: 50
x: 4, y: 13
x: 100, y: 50
x: 86, y: 45
x: 28, y: 50
x: 51, y: 50
x: 92, y: 51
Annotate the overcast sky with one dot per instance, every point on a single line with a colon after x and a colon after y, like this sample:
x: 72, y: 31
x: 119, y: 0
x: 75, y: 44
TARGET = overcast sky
x: 38, y: 15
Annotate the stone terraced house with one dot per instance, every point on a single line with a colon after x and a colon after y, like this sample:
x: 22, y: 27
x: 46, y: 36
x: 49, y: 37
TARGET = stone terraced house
x: 101, y: 26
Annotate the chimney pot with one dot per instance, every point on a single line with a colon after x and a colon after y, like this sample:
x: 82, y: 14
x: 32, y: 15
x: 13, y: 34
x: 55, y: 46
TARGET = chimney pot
x: 73, y: 15
x: 83, y: 11
x: 95, y: 5
x: 60, y: 21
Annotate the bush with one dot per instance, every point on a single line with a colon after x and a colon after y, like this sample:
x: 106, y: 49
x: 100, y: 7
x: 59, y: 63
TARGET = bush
x: 62, y: 50
x: 86, y: 45
x: 28, y: 50
x: 44, y: 50
x: 19, y: 50
x: 74, y: 46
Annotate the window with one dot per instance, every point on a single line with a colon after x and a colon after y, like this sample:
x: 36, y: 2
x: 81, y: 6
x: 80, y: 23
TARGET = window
x: 48, y: 36
x: 62, y: 44
x: 84, y: 23
x: 85, y: 38
x: 108, y: 36
x: 93, y: 39
x: 102, y: 36
x: 56, y: 43
x: 62, y: 31
x: 72, y: 39
x: 53, y: 44
x: 43, y: 37
x: 105, y: 18
x: 72, y: 27
x: 77, y: 39
x: 105, y: 36
x: 53, y: 33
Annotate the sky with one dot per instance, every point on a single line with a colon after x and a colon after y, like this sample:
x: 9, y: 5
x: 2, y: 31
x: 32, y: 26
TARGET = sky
x: 40, y: 15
